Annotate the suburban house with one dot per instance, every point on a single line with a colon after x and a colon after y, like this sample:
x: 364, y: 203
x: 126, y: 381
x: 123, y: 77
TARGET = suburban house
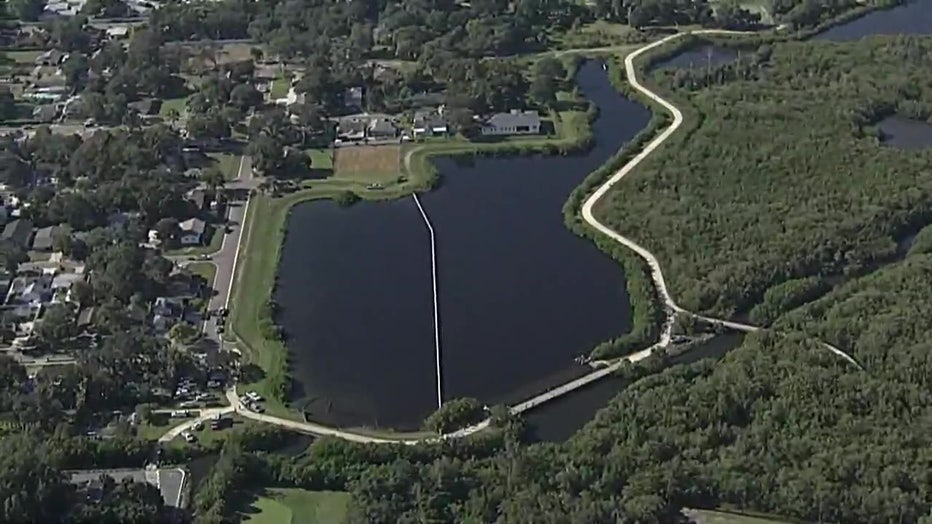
x: 18, y: 232
x: 45, y: 113
x: 515, y: 122
x: 352, y: 128
x: 192, y: 231
x: 118, y: 32
x: 430, y: 122
x: 198, y: 198
x: 380, y: 127
x: 43, y: 239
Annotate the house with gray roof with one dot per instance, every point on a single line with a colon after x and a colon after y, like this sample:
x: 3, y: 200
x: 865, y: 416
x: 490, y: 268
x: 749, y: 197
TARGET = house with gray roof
x: 18, y: 232
x: 430, y: 122
x: 514, y: 122
x: 192, y: 231
x: 42, y: 241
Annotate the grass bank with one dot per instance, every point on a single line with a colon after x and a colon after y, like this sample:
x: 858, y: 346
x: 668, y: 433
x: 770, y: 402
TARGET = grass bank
x: 294, y: 506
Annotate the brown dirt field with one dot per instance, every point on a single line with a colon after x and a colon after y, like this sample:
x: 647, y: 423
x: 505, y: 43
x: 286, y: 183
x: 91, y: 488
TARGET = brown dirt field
x: 369, y: 161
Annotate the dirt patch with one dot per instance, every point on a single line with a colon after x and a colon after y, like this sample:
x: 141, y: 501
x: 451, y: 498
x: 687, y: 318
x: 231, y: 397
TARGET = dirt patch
x: 367, y: 160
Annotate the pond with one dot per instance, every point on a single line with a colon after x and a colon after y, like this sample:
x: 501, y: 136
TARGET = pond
x: 520, y: 295
x: 703, y: 56
x: 914, y: 18
x: 558, y: 420
x: 905, y: 133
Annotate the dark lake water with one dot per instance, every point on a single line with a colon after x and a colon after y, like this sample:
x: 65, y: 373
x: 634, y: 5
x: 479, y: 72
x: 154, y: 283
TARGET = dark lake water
x: 914, y: 18
x: 520, y: 295
x: 556, y: 421
x: 699, y: 57
x: 904, y: 133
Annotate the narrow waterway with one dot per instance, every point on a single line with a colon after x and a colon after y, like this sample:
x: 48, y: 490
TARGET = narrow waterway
x: 556, y: 421
x: 520, y: 295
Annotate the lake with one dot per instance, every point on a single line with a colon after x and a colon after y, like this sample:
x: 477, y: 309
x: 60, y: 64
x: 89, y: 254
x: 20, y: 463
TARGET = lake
x: 520, y: 295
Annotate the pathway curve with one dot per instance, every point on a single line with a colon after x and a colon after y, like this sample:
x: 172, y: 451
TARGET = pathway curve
x: 204, y: 416
x: 656, y: 274
x: 607, y: 367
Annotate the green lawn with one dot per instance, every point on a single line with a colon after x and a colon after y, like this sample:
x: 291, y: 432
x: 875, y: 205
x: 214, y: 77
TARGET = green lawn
x: 280, y: 88
x: 178, y: 104
x: 705, y: 516
x: 228, y: 164
x: 320, y: 159
x: 298, y: 506
x: 204, y: 269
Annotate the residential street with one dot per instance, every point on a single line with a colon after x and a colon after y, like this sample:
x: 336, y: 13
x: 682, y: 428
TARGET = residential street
x: 225, y: 259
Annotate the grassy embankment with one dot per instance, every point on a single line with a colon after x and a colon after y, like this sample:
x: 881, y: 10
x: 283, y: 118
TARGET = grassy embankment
x: 252, y: 325
x: 297, y: 506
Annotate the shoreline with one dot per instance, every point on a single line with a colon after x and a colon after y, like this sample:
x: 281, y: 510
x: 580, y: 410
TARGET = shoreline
x: 628, y: 156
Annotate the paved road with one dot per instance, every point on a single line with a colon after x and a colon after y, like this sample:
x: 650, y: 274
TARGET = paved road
x: 205, y: 415
x: 225, y: 258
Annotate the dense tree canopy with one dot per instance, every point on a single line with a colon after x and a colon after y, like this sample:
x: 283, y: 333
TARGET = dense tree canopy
x: 778, y: 172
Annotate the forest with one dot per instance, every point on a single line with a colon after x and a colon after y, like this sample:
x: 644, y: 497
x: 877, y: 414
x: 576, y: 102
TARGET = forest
x: 779, y: 172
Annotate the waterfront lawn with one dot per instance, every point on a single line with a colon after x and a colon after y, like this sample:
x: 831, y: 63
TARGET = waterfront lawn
x: 297, y: 506
x: 369, y: 164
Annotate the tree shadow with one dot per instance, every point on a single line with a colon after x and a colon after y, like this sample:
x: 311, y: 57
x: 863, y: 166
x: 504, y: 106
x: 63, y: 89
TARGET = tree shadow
x: 250, y: 373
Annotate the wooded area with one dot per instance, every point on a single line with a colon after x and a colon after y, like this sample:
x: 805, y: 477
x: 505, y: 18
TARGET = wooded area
x: 778, y: 172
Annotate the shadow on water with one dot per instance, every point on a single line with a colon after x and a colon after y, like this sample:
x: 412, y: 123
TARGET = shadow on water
x: 520, y: 295
x: 905, y: 133
x: 556, y: 421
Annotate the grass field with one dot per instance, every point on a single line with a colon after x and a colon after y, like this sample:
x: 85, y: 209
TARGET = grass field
x: 298, y: 506
x: 705, y: 516
x: 380, y: 164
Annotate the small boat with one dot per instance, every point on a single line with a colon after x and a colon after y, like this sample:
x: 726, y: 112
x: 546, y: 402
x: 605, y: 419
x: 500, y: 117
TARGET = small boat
x: 604, y: 67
